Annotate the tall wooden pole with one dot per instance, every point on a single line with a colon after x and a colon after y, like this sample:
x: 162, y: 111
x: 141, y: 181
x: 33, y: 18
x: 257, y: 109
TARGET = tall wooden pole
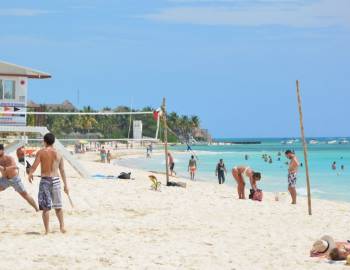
x: 165, y: 141
x: 305, y: 150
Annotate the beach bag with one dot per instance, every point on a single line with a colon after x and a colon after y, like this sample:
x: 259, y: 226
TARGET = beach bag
x: 124, y: 175
x: 256, y: 195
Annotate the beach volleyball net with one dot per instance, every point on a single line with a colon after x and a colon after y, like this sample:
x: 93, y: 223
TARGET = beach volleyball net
x: 123, y: 127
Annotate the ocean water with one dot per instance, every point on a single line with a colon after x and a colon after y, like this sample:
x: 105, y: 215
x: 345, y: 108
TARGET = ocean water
x: 325, y: 182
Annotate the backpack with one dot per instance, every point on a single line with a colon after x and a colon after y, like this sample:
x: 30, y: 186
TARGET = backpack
x: 124, y: 175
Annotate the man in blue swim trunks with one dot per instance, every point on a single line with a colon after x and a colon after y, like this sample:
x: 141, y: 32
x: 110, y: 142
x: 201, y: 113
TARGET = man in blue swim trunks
x: 10, y: 178
x: 50, y: 185
x: 292, y: 174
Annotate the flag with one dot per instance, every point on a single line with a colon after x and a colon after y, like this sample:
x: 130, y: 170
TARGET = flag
x: 157, y: 113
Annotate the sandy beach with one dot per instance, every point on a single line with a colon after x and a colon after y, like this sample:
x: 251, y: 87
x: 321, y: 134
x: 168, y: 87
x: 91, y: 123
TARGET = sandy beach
x: 123, y: 224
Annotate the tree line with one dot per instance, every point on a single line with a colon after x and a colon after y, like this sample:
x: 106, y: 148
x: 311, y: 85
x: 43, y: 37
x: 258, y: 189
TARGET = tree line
x: 113, y: 126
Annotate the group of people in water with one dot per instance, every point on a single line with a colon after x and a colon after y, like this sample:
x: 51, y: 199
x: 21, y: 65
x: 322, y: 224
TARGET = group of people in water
x: 241, y: 173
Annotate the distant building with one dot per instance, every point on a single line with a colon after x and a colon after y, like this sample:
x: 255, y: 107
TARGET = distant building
x: 201, y: 134
x: 64, y: 106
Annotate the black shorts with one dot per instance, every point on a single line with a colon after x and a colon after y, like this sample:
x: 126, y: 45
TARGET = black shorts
x: 172, y: 165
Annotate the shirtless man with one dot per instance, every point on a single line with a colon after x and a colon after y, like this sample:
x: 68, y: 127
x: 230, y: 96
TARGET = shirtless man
x: 239, y: 173
x: 292, y: 175
x: 50, y: 185
x: 9, y: 173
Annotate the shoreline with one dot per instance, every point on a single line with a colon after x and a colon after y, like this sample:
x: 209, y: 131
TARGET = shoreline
x: 212, y: 179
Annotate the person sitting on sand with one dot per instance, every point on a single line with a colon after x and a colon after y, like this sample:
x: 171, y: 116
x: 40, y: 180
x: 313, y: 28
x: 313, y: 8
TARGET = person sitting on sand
x: 171, y: 164
x: 326, y: 247
x: 221, y: 171
x: 239, y: 173
x: 292, y: 175
x: 50, y: 185
x: 192, y: 167
x: 10, y: 177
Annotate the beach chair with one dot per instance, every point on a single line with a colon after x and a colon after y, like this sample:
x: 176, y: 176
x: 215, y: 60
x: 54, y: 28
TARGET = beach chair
x: 155, y: 183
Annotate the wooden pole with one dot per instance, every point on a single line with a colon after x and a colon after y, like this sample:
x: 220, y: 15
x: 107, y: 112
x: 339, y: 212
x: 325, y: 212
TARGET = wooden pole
x: 165, y: 141
x: 305, y: 149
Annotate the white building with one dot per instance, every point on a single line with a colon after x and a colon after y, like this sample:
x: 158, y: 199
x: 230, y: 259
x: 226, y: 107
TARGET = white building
x: 13, y: 92
x: 137, y: 130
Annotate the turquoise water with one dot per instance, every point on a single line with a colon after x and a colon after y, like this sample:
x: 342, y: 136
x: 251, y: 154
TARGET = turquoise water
x: 326, y: 183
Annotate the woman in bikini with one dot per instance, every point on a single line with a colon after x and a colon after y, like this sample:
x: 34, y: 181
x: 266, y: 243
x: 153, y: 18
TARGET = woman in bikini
x: 239, y: 173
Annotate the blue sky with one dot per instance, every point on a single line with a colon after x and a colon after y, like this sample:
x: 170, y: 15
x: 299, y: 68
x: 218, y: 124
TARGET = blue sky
x: 232, y: 62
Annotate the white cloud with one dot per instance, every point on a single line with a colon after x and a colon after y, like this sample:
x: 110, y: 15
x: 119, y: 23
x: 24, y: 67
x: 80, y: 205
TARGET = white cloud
x: 22, y: 12
x: 322, y: 13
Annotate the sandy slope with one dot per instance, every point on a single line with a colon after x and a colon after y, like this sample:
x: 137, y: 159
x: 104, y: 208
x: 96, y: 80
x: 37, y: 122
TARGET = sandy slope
x: 124, y: 225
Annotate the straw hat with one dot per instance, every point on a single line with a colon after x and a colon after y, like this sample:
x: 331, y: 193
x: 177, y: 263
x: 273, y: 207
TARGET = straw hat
x: 324, y: 245
x: 348, y: 260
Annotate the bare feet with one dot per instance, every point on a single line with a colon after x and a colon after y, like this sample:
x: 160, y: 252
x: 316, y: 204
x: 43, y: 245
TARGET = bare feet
x: 63, y: 230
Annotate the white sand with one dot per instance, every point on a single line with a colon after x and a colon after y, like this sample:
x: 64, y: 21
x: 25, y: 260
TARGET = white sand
x: 124, y: 225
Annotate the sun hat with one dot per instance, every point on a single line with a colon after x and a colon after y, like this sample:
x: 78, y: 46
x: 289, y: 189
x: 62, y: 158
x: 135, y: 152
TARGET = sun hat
x: 324, y: 245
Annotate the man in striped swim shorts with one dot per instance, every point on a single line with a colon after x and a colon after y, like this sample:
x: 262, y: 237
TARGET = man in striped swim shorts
x: 50, y: 185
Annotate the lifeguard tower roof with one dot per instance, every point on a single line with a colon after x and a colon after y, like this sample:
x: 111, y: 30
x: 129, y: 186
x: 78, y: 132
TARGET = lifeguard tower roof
x: 8, y: 69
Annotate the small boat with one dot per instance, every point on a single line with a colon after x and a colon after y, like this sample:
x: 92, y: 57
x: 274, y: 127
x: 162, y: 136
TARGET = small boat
x: 344, y: 141
x: 290, y: 142
x: 332, y: 142
x: 313, y: 142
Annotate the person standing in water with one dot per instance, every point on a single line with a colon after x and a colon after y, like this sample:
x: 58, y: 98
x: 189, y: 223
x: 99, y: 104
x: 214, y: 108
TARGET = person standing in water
x: 221, y: 171
x: 292, y: 175
x: 192, y: 167
x: 50, y: 185
x: 10, y: 178
x: 334, y: 166
x: 239, y: 173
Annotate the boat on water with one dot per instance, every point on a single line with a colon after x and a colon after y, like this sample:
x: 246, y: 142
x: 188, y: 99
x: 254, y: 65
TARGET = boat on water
x: 344, y: 141
x: 332, y: 142
x: 313, y: 142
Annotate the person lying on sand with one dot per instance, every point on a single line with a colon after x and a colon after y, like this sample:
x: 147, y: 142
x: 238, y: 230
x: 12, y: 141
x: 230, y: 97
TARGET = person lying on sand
x: 50, y: 185
x: 239, y: 173
x: 326, y: 247
x: 10, y: 177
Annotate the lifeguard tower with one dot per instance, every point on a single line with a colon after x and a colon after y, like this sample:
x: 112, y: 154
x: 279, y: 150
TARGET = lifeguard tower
x: 13, y: 108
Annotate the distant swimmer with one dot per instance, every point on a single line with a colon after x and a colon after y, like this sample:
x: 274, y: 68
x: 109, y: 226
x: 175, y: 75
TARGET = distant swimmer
x: 239, y: 173
x: 221, y: 171
x: 334, y: 166
x: 246, y: 157
x: 292, y: 175
x: 342, y: 167
x: 192, y: 167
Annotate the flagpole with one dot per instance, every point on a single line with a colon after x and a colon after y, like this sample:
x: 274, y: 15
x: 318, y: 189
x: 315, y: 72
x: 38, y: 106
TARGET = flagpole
x: 165, y: 141
x: 305, y: 148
